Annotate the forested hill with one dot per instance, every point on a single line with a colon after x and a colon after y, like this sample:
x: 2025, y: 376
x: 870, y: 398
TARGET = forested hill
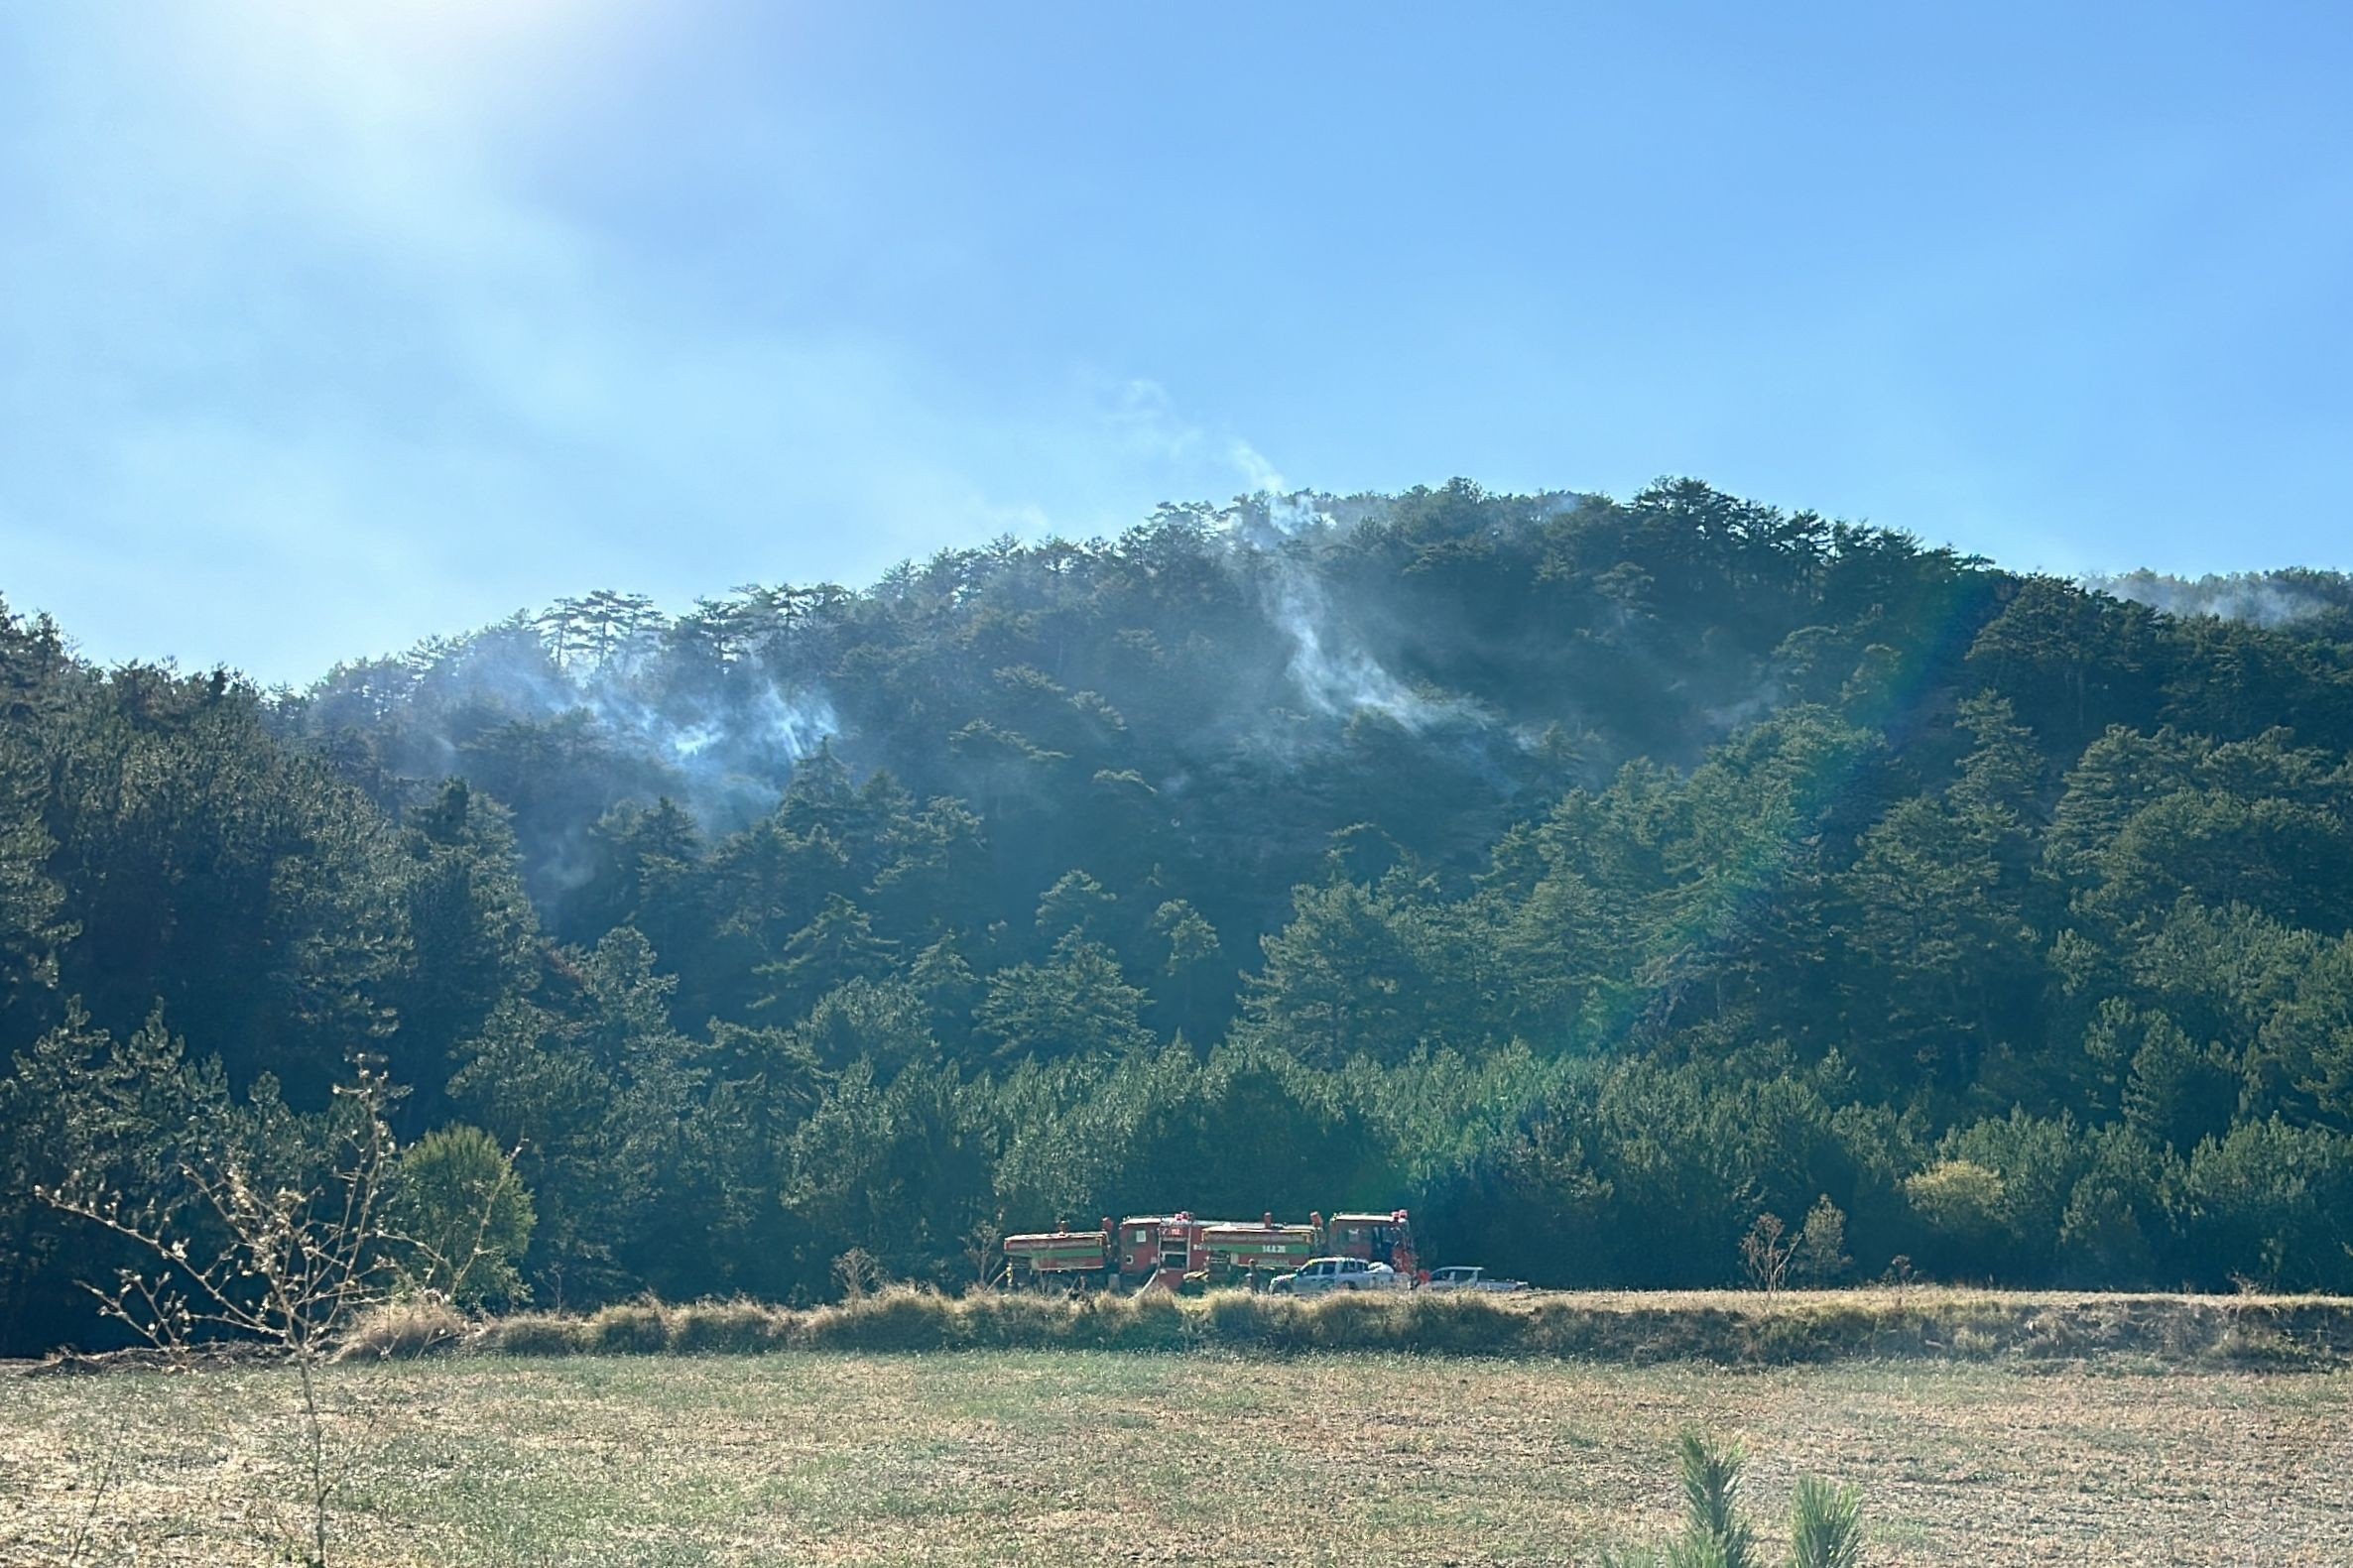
x: 1590, y: 877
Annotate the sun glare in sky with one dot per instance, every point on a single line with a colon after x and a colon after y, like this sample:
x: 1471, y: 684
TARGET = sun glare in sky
x: 357, y: 323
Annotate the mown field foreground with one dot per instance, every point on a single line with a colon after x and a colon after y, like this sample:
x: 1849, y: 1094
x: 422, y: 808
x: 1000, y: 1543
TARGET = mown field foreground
x: 1093, y: 1456
x: 1732, y: 1328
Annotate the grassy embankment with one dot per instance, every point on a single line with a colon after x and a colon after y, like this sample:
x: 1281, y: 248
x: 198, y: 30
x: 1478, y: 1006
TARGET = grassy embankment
x: 1729, y: 1328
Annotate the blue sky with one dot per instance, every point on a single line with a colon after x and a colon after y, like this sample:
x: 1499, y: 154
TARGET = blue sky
x: 326, y: 327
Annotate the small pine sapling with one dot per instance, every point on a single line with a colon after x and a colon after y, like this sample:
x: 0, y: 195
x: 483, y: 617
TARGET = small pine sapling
x: 1822, y: 1245
x: 1826, y: 1528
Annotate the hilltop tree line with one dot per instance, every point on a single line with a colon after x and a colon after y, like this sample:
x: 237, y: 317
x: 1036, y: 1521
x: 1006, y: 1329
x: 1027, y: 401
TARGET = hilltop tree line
x: 1590, y: 877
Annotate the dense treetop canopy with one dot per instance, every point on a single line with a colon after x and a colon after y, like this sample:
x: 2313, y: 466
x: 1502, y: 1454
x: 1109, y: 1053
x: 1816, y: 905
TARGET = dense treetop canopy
x: 1590, y: 876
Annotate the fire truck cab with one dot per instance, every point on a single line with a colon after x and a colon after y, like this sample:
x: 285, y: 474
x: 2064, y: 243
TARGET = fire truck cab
x: 1375, y: 1238
x: 1159, y: 1250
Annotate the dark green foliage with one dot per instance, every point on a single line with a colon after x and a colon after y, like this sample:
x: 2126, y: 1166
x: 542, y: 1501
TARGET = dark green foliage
x: 1590, y: 877
x: 1075, y: 1003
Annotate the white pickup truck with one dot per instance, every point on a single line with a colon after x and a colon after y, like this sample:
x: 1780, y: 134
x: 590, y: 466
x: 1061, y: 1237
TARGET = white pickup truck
x: 1323, y: 1275
x: 1469, y: 1277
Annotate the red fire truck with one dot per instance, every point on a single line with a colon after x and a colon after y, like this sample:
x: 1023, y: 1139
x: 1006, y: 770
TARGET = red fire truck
x: 1061, y: 1254
x: 1174, y: 1251
x: 1375, y: 1238
x: 1142, y: 1250
x: 1160, y: 1249
x: 1243, y: 1253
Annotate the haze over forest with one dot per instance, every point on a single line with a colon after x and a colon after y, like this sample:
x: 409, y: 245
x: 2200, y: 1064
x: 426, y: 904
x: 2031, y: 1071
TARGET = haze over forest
x: 1588, y: 876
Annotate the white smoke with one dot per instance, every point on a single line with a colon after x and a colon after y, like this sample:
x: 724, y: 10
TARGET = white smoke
x: 1330, y: 667
x: 733, y: 753
x: 1335, y: 671
x: 724, y: 744
x: 2260, y: 598
x: 1263, y: 477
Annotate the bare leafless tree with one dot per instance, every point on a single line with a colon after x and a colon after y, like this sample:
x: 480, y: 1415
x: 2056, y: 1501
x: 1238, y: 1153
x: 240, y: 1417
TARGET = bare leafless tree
x: 859, y: 1274
x: 1766, y: 1251
x: 295, y: 1267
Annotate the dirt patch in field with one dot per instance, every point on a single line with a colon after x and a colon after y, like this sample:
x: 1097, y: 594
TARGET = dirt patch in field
x: 196, y: 1358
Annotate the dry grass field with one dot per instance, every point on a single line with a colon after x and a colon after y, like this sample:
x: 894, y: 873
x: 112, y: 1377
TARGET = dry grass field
x: 1205, y: 1456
